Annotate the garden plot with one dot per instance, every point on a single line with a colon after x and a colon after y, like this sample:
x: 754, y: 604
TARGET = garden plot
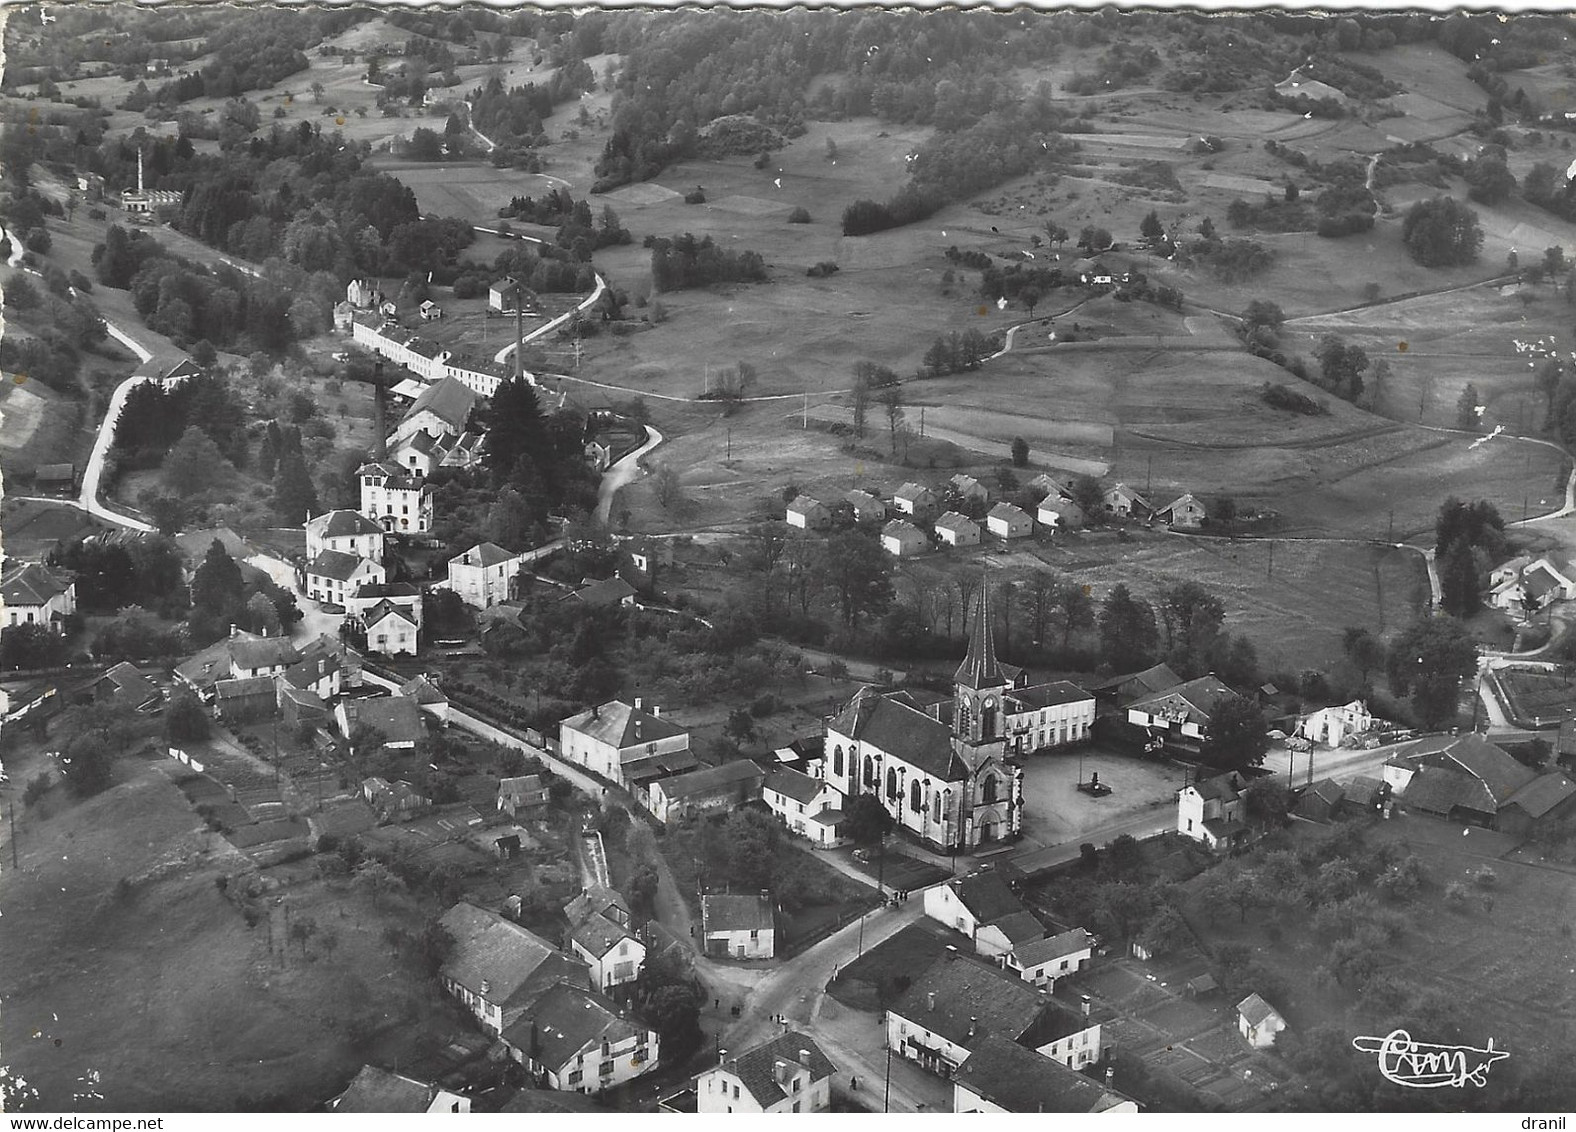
x: 1238, y: 184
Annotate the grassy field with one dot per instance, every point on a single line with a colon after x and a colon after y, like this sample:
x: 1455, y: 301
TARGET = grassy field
x: 31, y: 529
x: 157, y: 985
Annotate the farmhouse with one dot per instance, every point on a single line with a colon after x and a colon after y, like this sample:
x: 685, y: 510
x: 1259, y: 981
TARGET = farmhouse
x: 575, y: 1040
x: 1124, y: 501
x: 957, y: 530
x: 1179, y: 716
x: 1000, y: 1075
x: 809, y: 514
x: 789, y: 1073
x: 705, y: 791
x: 498, y: 969
x: 1259, y: 1022
x: 1183, y: 511
x: 808, y: 806
x: 737, y: 926
x: 396, y: 718
x: 1125, y: 689
x: 523, y: 796
x: 1211, y: 811
x: 484, y: 575
x: 867, y: 508
x: 903, y: 539
x: 982, y: 907
x: 345, y: 532
x: 391, y: 629
x: 332, y: 575
x: 916, y: 501
x: 383, y: 1091
x: 33, y: 595
x: 968, y: 488
x: 1043, y: 961
x: 1009, y: 521
x: 952, y: 786
x: 625, y: 744
x: 1467, y: 779
x: 125, y: 686
x: 60, y: 478
x: 394, y: 500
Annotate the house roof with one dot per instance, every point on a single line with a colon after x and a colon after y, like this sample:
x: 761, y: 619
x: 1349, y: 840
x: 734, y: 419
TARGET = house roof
x: 343, y: 524
x: 243, y: 687
x: 912, y: 491
x: 969, y: 994
x: 597, y: 901
x: 334, y: 564
x: 382, y: 1090
x: 1255, y: 1009
x: 518, y: 789
x: 424, y: 691
x: 55, y: 473
x: 310, y: 669
x: 608, y: 591
x: 1327, y: 790
x: 515, y: 964
x: 483, y: 554
x: 804, y: 504
x: 986, y: 895
x: 1500, y: 775
x: 1540, y: 579
x: 731, y: 912
x: 1363, y: 790
x: 1122, y: 489
x: 1036, y: 951
x: 794, y: 784
x: 697, y: 783
x: 302, y: 697
x: 1020, y: 927
x: 399, y: 592
x: 449, y: 399
x: 953, y: 521
x: 901, y: 529
x: 397, y: 717
x: 1182, y: 500
x: 964, y: 482
x: 1037, y: 696
x: 1018, y: 1079
x: 30, y: 584
x: 1009, y: 512
x: 899, y: 730
x: 756, y: 1068
x: 622, y: 726
x: 861, y: 498
x: 1226, y: 787
x: 129, y: 680
x: 1151, y: 680
x: 1192, y: 701
x: 262, y: 652
x: 385, y: 609
x: 565, y: 1020
x: 1543, y: 793
x: 598, y: 934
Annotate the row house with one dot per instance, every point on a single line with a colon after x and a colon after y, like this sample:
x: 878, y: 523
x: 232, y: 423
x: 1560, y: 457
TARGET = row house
x: 1044, y: 716
x: 983, y: 907
x: 482, y: 376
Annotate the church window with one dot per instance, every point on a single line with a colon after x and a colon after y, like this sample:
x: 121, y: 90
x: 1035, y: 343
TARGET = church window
x: 988, y: 790
x: 916, y: 801
x: 870, y: 771
x: 837, y: 761
x: 891, y: 783
x: 938, y: 806
x: 988, y: 719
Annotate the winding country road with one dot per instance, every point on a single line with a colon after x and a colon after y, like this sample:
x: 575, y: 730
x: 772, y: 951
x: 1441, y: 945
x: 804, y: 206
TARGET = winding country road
x: 624, y: 471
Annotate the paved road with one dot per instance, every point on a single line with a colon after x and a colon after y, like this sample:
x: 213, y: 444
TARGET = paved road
x: 596, y: 293
x: 624, y: 471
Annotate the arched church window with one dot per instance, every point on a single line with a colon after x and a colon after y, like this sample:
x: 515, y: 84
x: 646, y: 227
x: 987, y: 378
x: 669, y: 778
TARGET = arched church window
x: 916, y: 799
x: 891, y: 785
x: 837, y: 761
x: 988, y: 790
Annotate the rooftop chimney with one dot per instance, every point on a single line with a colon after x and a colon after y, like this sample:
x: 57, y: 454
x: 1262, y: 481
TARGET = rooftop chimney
x: 804, y: 1057
x: 637, y: 729
x: 1110, y: 1072
x: 656, y: 711
x: 974, y: 1025
x: 638, y: 703
x: 782, y: 1070
x: 1086, y: 1006
x: 932, y: 997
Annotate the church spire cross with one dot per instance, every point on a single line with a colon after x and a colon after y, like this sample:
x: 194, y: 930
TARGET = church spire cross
x: 979, y: 668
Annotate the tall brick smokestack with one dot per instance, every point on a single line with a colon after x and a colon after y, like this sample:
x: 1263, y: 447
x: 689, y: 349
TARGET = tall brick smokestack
x: 380, y: 448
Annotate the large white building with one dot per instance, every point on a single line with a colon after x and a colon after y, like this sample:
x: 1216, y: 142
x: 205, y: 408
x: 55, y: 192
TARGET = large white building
x: 332, y: 575
x: 982, y: 907
x: 624, y: 743
x: 789, y: 1073
x: 348, y: 532
x: 397, y: 502
x: 440, y: 411
x: 484, y: 575
x: 953, y: 785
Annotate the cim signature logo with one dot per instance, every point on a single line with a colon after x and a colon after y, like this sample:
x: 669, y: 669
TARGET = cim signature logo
x: 1419, y: 1065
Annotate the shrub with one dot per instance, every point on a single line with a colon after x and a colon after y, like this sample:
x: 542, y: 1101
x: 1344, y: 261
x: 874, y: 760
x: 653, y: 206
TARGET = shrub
x: 1485, y: 877
x: 1280, y: 397
x: 822, y: 270
x: 1455, y: 894
x: 800, y: 215
x: 695, y: 196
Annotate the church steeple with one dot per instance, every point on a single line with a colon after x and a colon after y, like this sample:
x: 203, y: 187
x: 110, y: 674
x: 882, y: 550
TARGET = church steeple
x: 979, y: 668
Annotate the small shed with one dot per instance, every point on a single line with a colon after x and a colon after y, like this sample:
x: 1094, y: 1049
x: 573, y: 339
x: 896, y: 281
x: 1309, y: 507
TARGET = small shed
x: 1258, y: 1021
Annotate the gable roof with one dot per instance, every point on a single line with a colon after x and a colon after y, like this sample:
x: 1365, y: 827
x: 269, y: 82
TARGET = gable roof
x: 483, y: 554
x: 565, y: 1020
x: 515, y: 964
x: 1543, y: 793
x: 899, y: 730
x: 965, y: 483
x: 608, y: 591
x: 1009, y: 512
x: 397, y: 717
x: 901, y: 529
x: 261, y: 652
x: 1226, y: 787
x: 424, y: 691
x: 622, y: 726
x: 598, y: 934
x: 525, y: 786
x: 343, y: 524
x: 860, y: 498
x: 1255, y: 1009
x: 1498, y: 774
x: 385, y: 609
x: 242, y: 687
x: 794, y: 784
x: 1157, y: 678
x: 30, y: 584
x: 1019, y: 1079
x: 1019, y: 927
x: 912, y: 491
x: 954, y: 521
x: 732, y: 912
x: 448, y: 399
x: 597, y: 900
x: 334, y: 564
x: 701, y: 782
x: 1049, y: 694
x: 986, y: 895
x: 757, y: 1068
x: 382, y: 1090
x: 1192, y: 701
x: 969, y: 994
x: 1181, y: 501
x: 1036, y: 951
x: 804, y: 504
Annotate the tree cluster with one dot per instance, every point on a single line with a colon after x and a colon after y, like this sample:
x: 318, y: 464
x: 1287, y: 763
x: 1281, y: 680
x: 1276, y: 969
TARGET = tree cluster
x: 684, y: 261
x: 1442, y: 232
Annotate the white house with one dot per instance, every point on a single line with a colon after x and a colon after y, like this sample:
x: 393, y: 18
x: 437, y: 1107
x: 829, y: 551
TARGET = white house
x: 361, y: 293
x: 1059, y: 514
x: 609, y: 949
x: 737, y: 926
x: 498, y: 968
x: 955, y: 529
x: 1211, y: 811
x: 1549, y: 579
x: 982, y: 907
x: 622, y: 742
x: 332, y: 576
x: 1331, y: 725
x: 391, y: 629
x: 484, y: 575
x: 501, y: 297
x: 1259, y: 1022
x: 810, y: 807
x: 916, y: 501
x: 867, y: 508
x: 576, y: 1040
x: 1124, y: 501
x: 1180, y: 716
x: 33, y: 595
x: 251, y: 655
x: 1009, y: 521
x: 1042, y: 716
x: 441, y: 410
x: 903, y: 539
x: 348, y: 532
x: 809, y: 514
x: 394, y: 500
x: 406, y: 595
x: 1000, y: 1075
x: 967, y: 488
x: 1183, y: 511
x: 1043, y: 961
x: 482, y: 376
x: 431, y: 310
x: 789, y: 1073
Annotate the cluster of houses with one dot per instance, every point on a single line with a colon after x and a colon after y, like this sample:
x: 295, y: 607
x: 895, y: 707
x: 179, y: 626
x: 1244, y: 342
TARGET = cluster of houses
x: 918, y: 519
x: 1525, y: 584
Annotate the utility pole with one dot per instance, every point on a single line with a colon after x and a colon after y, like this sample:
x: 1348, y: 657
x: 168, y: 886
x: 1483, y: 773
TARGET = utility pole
x: 730, y: 444
x: 1270, y: 573
x: 922, y: 422
x: 805, y: 423
x: 886, y: 1100
x: 519, y: 328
